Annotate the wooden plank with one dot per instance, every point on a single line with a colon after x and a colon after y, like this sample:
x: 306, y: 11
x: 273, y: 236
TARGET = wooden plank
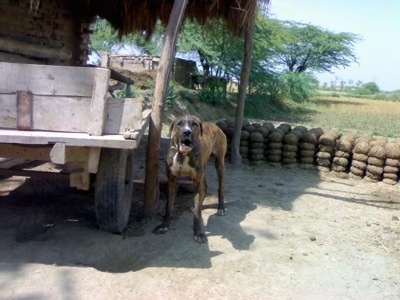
x: 24, y: 110
x: 79, y: 176
x: 25, y: 152
x: 123, y: 114
x: 120, y: 77
x: 61, y: 154
x: 57, y: 153
x: 47, y: 80
x: 69, y: 114
x: 93, y: 160
x: 98, y: 103
x: 8, y: 136
x: 50, y: 113
x: 8, y: 111
x: 6, y: 163
x: 34, y: 50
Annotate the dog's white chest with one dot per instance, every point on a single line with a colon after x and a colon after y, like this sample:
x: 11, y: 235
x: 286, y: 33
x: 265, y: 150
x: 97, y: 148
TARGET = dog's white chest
x: 181, y: 167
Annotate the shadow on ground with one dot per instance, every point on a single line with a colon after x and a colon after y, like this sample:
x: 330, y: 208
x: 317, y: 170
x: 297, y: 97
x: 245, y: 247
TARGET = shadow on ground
x: 58, y: 227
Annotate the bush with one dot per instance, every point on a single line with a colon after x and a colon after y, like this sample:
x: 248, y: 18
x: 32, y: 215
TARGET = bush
x: 213, y: 97
x: 392, y: 96
x: 126, y: 92
x: 172, y: 94
x: 268, y: 83
x: 372, y: 87
x: 259, y: 105
x: 360, y: 92
x: 299, y: 86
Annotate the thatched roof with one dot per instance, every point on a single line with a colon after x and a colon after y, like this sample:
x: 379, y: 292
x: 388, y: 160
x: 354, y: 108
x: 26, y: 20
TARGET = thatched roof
x: 138, y: 15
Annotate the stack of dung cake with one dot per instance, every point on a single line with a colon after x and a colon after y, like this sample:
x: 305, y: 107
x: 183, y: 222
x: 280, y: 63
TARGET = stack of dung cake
x: 376, y: 159
x: 342, y: 156
x: 326, y: 149
x: 256, y: 148
x: 290, y: 147
x: 392, y: 163
x: 308, y: 148
x: 360, y: 156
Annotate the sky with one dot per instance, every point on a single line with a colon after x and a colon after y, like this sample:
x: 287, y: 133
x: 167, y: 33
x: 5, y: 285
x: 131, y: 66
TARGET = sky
x: 376, y: 22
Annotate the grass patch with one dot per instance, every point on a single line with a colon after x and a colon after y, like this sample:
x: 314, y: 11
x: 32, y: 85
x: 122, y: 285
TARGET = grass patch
x: 363, y: 115
x: 374, y: 117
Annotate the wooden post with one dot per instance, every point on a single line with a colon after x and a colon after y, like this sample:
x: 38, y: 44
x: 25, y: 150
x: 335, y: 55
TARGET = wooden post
x: 236, y: 158
x: 160, y: 93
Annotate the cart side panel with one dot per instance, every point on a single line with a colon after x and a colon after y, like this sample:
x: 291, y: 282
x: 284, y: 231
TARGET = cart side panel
x: 47, y: 80
x: 65, y: 99
x: 123, y: 114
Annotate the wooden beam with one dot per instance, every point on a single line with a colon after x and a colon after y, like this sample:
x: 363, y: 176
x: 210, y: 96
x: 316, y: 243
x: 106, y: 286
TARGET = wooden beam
x: 160, y: 92
x: 36, y: 152
x: 34, y: 50
x: 70, y: 139
x: 120, y: 77
x: 61, y: 154
x: 98, y: 104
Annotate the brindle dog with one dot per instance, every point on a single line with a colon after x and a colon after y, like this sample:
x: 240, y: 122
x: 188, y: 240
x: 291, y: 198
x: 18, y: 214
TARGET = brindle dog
x: 192, y: 144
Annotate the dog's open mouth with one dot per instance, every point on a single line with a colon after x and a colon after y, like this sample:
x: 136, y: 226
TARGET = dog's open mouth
x: 185, y: 145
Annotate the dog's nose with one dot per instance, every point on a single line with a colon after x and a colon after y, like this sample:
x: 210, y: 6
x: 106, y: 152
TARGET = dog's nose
x: 187, y: 132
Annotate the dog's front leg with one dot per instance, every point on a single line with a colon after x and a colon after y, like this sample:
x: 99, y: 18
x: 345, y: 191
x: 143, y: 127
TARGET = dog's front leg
x: 163, y: 227
x: 200, y: 190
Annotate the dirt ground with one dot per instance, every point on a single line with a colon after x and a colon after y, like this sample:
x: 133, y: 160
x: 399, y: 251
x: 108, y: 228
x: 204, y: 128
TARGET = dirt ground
x: 288, y: 234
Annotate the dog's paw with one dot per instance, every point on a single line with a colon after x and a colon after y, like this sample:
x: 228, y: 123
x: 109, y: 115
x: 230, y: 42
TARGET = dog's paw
x: 221, y: 212
x: 200, y: 237
x: 160, y: 229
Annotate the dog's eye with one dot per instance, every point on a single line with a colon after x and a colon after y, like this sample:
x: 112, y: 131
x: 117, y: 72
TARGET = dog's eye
x: 179, y: 123
x: 194, y: 124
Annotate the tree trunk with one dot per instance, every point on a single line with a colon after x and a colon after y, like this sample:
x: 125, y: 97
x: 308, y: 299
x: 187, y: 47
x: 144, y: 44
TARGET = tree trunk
x: 236, y: 158
x: 160, y: 93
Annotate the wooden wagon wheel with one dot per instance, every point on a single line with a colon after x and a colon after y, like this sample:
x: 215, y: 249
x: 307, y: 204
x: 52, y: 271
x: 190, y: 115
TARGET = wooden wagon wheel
x: 113, y: 191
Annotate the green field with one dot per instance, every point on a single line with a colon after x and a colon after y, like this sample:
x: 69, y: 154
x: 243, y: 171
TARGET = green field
x: 373, y: 117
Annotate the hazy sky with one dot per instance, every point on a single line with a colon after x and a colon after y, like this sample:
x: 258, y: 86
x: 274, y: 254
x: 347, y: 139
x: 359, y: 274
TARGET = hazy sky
x: 378, y: 24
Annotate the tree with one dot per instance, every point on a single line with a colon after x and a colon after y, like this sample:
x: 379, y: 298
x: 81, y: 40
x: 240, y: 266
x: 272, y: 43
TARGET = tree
x: 104, y: 38
x: 309, y: 48
x: 372, y: 87
x: 219, y: 51
x: 156, y: 116
x: 236, y: 158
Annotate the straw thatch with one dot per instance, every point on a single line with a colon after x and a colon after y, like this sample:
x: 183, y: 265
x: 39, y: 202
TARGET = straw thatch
x: 141, y: 15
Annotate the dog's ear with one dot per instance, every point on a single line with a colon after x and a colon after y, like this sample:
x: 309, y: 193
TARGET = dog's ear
x: 198, y: 122
x: 171, y: 128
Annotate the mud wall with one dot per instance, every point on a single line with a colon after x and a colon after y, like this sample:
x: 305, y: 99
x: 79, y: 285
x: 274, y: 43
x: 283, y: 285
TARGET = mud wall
x: 47, y: 33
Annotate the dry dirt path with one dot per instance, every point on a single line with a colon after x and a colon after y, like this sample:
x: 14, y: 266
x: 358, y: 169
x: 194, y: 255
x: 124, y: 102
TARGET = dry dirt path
x: 288, y: 234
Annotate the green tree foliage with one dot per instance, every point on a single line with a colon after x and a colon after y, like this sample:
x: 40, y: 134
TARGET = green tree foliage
x: 220, y: 53
x: 299, y: 86
x: 369, y: 88
x: 372, y: 87
x: 147, y: 44
x: 309, y: 48
x: 104, y: 38
x: 280, y: 48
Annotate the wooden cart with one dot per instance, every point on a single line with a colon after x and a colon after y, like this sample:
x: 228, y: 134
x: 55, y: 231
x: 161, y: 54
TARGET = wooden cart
x: 62, y: 114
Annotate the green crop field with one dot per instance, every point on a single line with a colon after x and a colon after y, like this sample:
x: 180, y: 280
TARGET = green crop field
x: 368, y: 116
x: 372, y: 117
